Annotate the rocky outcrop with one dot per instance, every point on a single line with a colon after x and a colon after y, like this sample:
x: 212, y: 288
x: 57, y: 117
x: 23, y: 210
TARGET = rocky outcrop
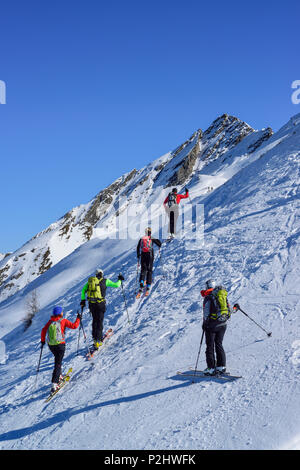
x: 266, y: 135
x: 105, y: 198
x: 185, y: 167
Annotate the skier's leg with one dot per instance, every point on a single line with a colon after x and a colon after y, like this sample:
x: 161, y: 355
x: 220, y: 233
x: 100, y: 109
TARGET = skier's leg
x: 176, y: 214
x: 102, y: 309
x: 93, y: 310
x: 220, y: 353
x: 144, y: 268
x: 172, y: 222
x: 149, y: 269
x: 58, y: 352
x: 210, y: 349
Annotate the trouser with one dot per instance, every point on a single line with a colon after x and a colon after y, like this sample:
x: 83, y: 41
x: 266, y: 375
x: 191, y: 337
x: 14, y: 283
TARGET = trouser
x: 97, y: 310
x: 146, y: 268
x: 58, y: 351
x: 173, y: 213
x: 214, y: 338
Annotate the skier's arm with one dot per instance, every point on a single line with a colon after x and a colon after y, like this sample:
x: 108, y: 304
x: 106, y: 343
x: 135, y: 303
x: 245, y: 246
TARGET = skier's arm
x: 182, y: 196
x: 69, y: 324
x: 166, y: 200
x: 110, y: 283
x: 83, y: 292
x: 156, y: 241
x: 44, y: 331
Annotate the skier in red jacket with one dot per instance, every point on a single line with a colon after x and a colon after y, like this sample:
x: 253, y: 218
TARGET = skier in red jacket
x: 171, y: 205
x: 55, y: 332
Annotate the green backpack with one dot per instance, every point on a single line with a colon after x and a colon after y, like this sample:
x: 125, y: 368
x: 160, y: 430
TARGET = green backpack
x: 94, y: 291
x: 54, y: 333
x: 221, y: 310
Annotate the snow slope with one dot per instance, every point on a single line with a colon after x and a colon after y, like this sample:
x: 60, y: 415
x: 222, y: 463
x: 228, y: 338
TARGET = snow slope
x: 228, y: 138
x: 130, y: 397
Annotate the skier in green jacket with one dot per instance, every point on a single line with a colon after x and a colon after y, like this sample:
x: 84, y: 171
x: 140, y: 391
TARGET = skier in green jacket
x: 95, y: 289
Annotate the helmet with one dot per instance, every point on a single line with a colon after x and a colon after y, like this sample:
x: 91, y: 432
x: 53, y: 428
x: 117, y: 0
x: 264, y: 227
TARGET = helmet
x: 99, y: 273
x: 148, y: 231
x: 210, y: 284
x: 174, y: 190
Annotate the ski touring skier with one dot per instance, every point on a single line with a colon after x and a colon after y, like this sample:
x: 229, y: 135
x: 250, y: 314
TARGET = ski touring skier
x: 95, y: 289
x: 54, y: 332
x: 171, y: 205
x: 216, y: 312
x: 145, y: 255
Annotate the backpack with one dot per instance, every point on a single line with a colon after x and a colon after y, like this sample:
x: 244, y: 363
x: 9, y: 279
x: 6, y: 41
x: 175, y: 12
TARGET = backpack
x: 146, y: 244
x: 94, y: 291
x: 172, y: 199
x: 54, y: 333
x: 221, y: 308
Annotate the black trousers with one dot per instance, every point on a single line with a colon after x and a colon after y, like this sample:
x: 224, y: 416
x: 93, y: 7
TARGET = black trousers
x: 58, y: 351
x: 97, y: 310
x: 146, y: 267
x: 214, y: 335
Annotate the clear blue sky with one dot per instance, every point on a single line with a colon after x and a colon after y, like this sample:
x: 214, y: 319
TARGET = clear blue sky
x: 97, y: 88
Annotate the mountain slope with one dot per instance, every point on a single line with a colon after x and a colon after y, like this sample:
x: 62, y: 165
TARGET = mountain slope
x: 131, y: 397
x: 228, y: 138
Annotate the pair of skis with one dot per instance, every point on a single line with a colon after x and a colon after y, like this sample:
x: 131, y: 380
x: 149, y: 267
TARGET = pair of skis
x: 142, y: 293
x: 65, y: 379
x: 196, y: 374
x: 93, y: 350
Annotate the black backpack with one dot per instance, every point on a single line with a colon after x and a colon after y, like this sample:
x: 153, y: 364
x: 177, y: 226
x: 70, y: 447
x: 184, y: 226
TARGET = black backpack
x: 172, y: 199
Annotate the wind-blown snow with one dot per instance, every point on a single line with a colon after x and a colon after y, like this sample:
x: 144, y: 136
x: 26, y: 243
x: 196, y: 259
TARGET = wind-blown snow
x: 130, y: 397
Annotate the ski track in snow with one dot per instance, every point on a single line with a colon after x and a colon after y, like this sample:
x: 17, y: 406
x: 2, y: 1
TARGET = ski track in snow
x: 129, y: 396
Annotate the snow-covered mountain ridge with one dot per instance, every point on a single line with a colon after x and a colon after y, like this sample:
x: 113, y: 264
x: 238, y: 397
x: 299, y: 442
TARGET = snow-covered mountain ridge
x: 225, y: 140
x: 131, y: 398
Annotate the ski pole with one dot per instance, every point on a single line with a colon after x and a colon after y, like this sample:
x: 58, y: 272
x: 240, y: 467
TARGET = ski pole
x: 198, y: 354
x: 84, y: 335
x: 237, y: 307
x: 125, y: 301
x: 39, y: 363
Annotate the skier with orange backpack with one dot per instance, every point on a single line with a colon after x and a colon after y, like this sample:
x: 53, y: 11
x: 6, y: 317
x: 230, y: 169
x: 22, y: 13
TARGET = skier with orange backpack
x: 145, y: 253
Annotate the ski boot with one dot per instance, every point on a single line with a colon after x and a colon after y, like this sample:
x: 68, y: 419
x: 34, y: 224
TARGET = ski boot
x: 209, y: 371
x: 54, y: 387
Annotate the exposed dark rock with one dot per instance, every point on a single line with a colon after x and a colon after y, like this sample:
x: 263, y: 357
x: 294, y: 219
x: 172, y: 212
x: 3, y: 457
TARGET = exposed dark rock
x: 267, y: 134
x: 185, y: 167
x: 46, y: 262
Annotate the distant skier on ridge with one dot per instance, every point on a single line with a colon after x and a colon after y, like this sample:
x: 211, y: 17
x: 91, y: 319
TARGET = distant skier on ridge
x: 95, y: 289
x: 145, y: 252
x: 216, y: 312
x: 55, y: 332
x: 171, y: 205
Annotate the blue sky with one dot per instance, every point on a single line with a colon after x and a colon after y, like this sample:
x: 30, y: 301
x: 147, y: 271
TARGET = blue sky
x: 97, y: 88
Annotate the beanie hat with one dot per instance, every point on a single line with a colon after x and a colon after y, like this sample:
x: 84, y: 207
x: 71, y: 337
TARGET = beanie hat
x: 57, y: 311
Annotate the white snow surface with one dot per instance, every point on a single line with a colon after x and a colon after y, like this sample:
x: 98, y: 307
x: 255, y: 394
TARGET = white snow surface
x: 129, y: 396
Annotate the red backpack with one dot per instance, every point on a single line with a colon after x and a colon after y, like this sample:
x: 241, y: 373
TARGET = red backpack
x: 146, y: 244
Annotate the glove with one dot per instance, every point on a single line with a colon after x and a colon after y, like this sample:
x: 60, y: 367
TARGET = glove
x: 121, y: 278
x: 236, y: 307
x: 43, y: 343
x: 79, y: 316
x: 82, y: 303
x: 186, y: 190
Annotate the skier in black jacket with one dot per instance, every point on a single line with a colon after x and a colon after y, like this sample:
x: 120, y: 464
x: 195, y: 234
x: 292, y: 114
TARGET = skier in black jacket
x: 145, y: 252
